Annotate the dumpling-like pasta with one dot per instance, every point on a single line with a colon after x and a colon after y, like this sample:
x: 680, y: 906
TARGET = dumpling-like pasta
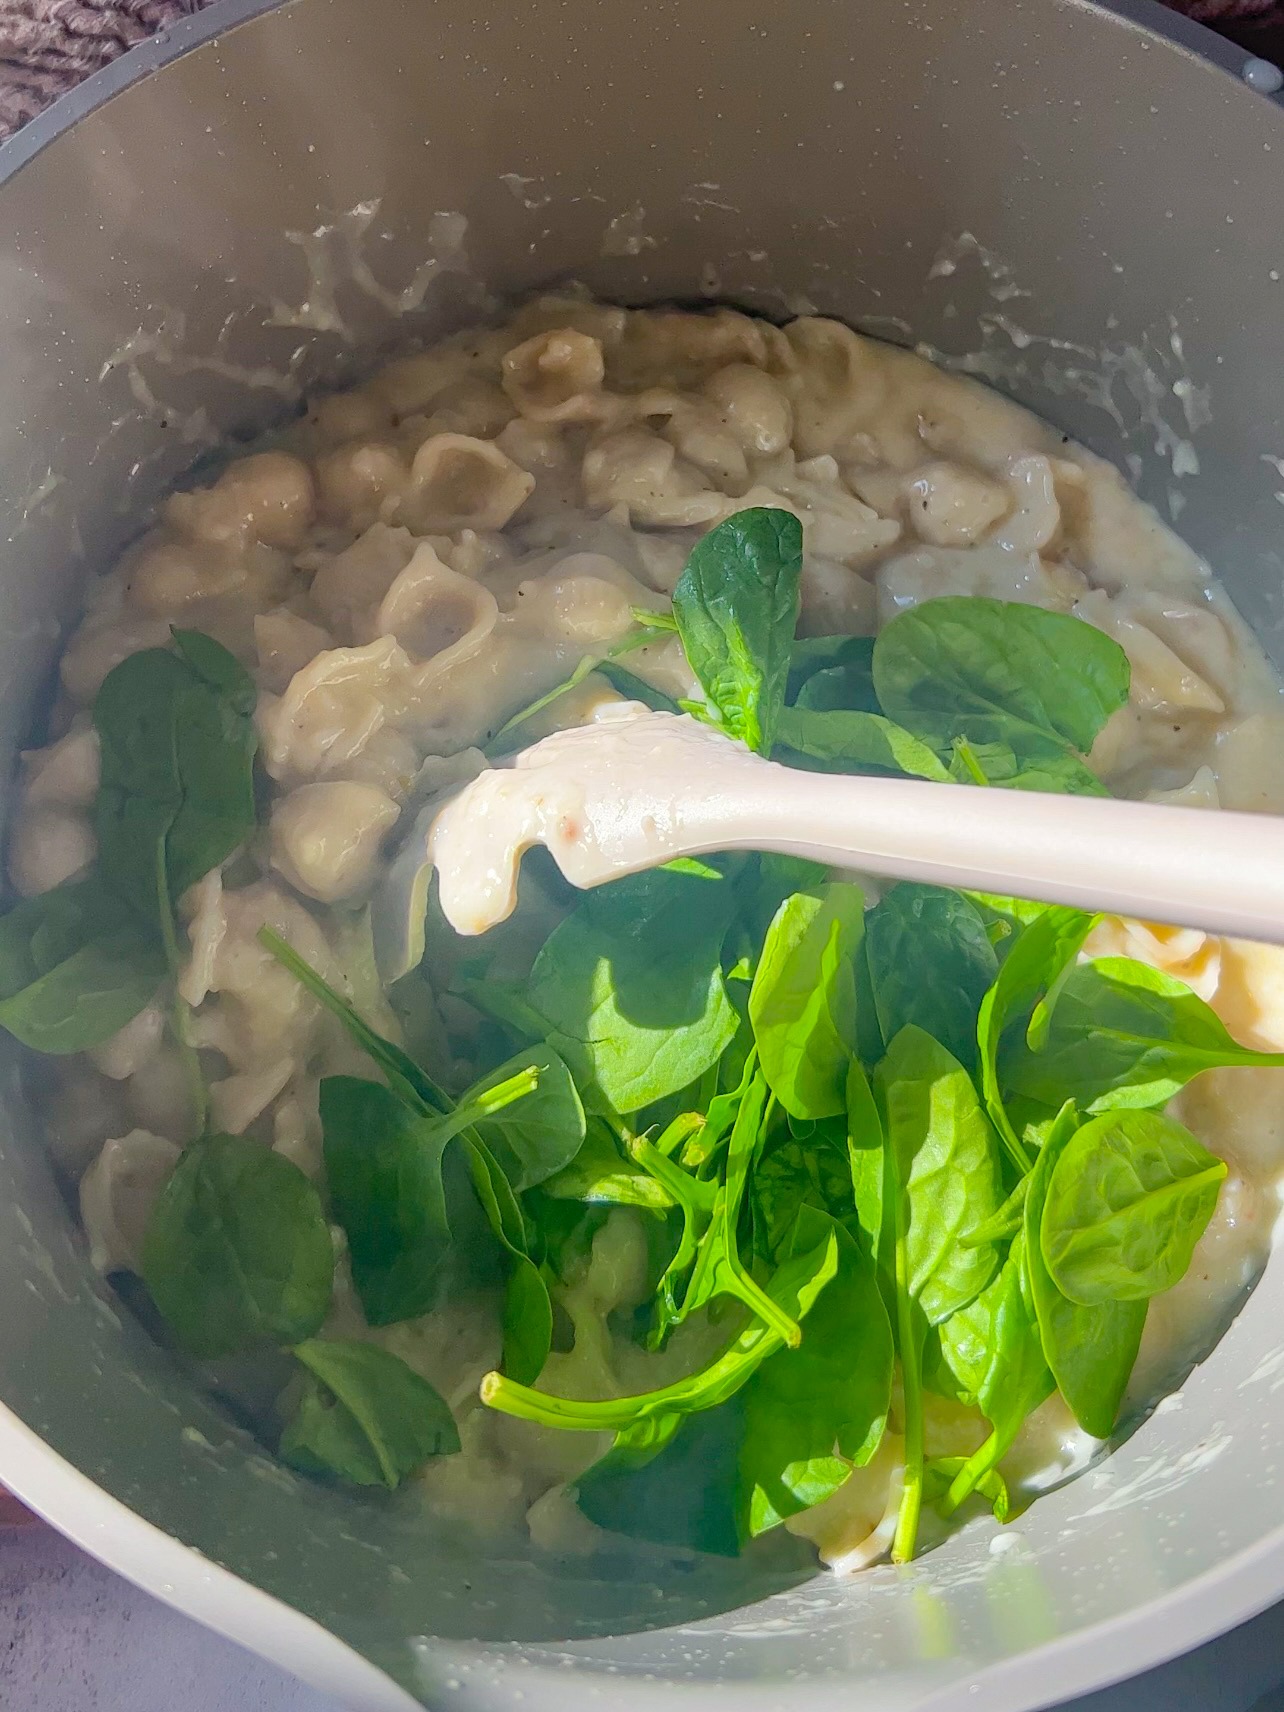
x: 837, y: 382
x: 556, y: 376
x: 430, y: 609
x: 257, y: 1013
x: 835, y: 523
x: 350, y: 585
x: 124, y: 1053
x: 117, y: 1194
x: 1162, y: 682
x: 331, y: 709
x: 203, y: 910
x: 952, y: 506
x: 1035, y: 516
x: 50, y: 844
x: 458, y: 482
x: 753, y: 407
x: 908, y: 579
x: 237, y: 1100
x: 327, y: 837
x: 361, y: 481
x: 1184, y: 952
x: 284, y: 643
x: 643, y: 474
x: 267, y: 497
x: 698, y: 432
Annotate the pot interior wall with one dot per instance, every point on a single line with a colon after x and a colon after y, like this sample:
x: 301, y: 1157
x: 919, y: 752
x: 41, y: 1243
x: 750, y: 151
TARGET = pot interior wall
x: 1053, y: 199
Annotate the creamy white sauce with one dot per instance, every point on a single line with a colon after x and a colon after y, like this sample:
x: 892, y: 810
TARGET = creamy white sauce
x: 427, y: 553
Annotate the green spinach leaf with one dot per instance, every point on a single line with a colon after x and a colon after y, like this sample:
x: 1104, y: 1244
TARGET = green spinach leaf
x: 602, y: 1175
x: 539, y: 1137
x: 1034, y: 963
x: 1004, y: 677
x: 75, y: 966
x: 843, y: 742
x: 1091, y: 1351
x: 671, y: 1481
x: 176, y: 795
x: 947, y: 1162
x: 364, y: 1416
x: 1124, y: 1034
x: 931, y: 963
x: 809, y: 1170
x: 632, y: 987
x: 832, y: 671
x: 1129, y: 1197
x: 736, y: 605
x: 995, y: 1354
x: 718, y: 1269
x: 528, y: 1314
x: 814, y: 1413
x: 803, y: 1000
x: 237, y: 1251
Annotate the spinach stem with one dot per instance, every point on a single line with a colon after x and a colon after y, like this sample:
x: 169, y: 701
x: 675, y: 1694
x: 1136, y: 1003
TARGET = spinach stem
x: 912, y: 1385
x: 972, y: 1473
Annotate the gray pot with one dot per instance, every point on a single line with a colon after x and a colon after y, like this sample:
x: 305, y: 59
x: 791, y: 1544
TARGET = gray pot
x: 1055, y: 197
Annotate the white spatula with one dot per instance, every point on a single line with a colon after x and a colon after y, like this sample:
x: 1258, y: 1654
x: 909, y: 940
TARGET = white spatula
x: 634, y: 789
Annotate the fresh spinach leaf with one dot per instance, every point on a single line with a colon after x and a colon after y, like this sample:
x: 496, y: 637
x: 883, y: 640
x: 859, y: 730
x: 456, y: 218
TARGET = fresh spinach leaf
x: 1037, y: 684
x: 1124, y: 1034
x: 384, y: 1170
x: 537, y: 1138
x: 364, y: 1416
x: 1130, y: 1196
x: 814, y: 1413
x: 1091, y: 1351
x: 832, y: 671
x: 994, y: 1351
x: 176, y: 795
x: 803, y: 1000
x: 1034, y: 962
x: 931, y: 963
x: 736, y: 605
x: 718, y: 1269
x: 671, y: 1481
x: 602, y: 1175
x: 843, y: 742
x: 798, y: 1171
x: 1008, y: 1221
x: 1036, y: 764
x: 865, y: 1156
x: 632, y: 988
x: 75, y: 966
x: 947, y: 1163
x: 941, y: 1180
x: 696, y: 1199
x: 237, y: 1252
x: 528, y: 1320
x: 528, y: 1314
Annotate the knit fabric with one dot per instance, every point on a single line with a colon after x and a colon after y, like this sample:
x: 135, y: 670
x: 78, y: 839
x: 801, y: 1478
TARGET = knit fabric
x: 47, y: 46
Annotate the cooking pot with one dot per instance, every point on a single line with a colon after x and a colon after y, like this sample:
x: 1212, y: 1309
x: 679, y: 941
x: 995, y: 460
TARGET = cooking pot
x: 1082, y: 207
